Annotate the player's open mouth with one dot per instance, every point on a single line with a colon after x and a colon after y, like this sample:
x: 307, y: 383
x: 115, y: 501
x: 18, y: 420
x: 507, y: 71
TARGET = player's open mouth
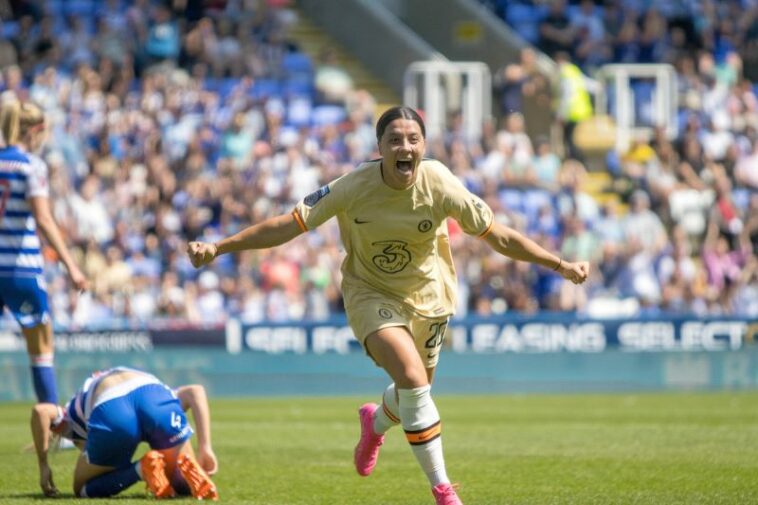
x: 404, y: 166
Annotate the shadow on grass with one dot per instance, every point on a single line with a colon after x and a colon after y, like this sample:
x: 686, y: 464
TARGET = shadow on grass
x: 11, y: 497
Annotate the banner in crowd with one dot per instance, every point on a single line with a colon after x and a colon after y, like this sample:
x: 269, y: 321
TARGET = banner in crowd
x: 121, y: 340
x: 494, y: 335
x: 517, y: 334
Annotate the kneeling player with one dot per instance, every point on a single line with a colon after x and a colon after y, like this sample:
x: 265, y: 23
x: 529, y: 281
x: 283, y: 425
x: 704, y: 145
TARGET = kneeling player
x: 109, y: 416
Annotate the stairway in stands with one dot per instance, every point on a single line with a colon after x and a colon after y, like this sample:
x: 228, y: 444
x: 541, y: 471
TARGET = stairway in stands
x: 599, y: 185
x: 311, y: 39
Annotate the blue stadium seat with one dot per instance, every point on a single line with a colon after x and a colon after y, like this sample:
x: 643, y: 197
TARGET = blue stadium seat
x: 299, y: 111
x: 53, y: 8
x: 524, y: 19
x: 297, y: 65
x: 298, y: 87
x: 613, y: 163
x: 533, y: 200
x: 322, y: 115
x: 79, y: 7
x: 10, y: 29
x: 741, y: 197
x: 511, y: 199
x: 226, y: 86
x: 266, y: 88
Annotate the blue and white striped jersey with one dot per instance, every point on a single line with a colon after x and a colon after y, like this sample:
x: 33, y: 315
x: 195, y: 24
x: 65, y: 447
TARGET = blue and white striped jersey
x: 22, y: 176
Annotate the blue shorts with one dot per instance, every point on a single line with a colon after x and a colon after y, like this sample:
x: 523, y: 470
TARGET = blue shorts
x: 26, y: 298
x: 150, y: 413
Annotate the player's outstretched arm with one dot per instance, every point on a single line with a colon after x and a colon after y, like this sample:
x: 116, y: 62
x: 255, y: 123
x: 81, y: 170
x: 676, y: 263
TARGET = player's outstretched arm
x: 49, y: 228
x: 193, y: 398
x: 271, y: 232
x: 513, y: 244
x: 43, y: 415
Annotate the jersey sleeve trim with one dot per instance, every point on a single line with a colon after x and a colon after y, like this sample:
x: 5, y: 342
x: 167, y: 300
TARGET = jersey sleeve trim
x: 487, y: 230
x: 299, y: 220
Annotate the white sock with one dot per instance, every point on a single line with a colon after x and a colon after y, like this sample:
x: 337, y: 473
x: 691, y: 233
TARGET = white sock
x: 388, y: 413
x: 423, y: 429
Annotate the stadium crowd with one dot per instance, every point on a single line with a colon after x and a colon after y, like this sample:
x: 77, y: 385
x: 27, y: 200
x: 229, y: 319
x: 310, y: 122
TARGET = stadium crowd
x: 186, y: 120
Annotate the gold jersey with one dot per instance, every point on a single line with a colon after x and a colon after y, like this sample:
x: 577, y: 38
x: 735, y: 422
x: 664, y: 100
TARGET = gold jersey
x: 396, y: 240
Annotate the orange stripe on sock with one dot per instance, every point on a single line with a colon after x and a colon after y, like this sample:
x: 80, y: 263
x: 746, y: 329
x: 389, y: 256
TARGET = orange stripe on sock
x: 299, y: 220
x: 388, y: 413
x: 424, y: 436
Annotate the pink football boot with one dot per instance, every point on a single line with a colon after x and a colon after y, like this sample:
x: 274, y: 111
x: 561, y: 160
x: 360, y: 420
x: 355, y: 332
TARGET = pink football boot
x: 367, y: 450
x: 444, y: 494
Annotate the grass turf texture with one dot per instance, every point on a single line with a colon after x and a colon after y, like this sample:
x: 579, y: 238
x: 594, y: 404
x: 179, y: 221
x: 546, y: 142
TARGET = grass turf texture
x: 674, y: 448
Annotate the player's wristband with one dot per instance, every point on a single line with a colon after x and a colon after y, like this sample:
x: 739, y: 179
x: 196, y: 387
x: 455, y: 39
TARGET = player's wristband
x: 560, y: 262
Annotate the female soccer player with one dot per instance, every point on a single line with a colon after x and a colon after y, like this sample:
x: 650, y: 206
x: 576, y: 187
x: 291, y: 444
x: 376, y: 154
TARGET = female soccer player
x: 109, y: 416
x: 399, y: 281
x: 24, y: 207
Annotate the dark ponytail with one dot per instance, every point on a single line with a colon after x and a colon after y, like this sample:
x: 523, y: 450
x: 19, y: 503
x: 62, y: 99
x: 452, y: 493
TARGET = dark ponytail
x: 399, y: 112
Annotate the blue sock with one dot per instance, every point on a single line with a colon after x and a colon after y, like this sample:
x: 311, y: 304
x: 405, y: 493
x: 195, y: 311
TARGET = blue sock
x: 111, y: 483
x: 43, y: 377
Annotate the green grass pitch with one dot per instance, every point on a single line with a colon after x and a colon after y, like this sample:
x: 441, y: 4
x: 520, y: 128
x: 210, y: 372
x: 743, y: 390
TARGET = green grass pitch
x: 672, y: 448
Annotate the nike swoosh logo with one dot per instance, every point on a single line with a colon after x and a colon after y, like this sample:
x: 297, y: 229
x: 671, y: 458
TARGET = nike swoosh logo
x: 431, y: 356
x: 360, y: 221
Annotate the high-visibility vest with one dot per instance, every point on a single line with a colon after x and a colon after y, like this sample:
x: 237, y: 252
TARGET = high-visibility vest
x: 580, y: 105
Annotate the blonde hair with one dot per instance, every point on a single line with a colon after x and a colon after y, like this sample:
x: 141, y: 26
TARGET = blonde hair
x: 17, y: 118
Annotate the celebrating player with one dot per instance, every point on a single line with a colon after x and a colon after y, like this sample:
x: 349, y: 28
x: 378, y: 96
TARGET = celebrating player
x: 399, y: 281
x: 24, y: 207
x: 109, y: 416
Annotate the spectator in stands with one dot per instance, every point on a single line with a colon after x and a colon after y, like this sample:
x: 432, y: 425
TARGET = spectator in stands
x: 162, y: 43
x: 153, y: 144
x: 725, y: 215
x: 574, y: 101
x: 395, y: 330
x: 537, y: 95
x: 546, y: 165
x: 89, y: 212
x: 642, y: 226
x: 332, y: 82
x: 724, y: 265
x: 571, y: 198
x: 509, y: 84
x: 746, y: 170
x: 556, y: 32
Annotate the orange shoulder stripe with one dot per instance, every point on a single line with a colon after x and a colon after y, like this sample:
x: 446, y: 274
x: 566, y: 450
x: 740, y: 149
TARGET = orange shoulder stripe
x: 488, y: 230
x: 299, y: 220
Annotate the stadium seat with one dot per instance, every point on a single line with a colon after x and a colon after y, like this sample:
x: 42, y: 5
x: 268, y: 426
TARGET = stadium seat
x: 299, y: 111
x: 511, y: 199
x: 266, y: 88
x: 224, y: 87
x: 54, y: 8
x: 298, y: 87
x: 78, y: 7
x: 533, y: 200
x: 741, y: 197
x: 10, y: 29
x: 327, y: 115
x: 524, y: 19
x: 297, y: 65
x: 644, y: 95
